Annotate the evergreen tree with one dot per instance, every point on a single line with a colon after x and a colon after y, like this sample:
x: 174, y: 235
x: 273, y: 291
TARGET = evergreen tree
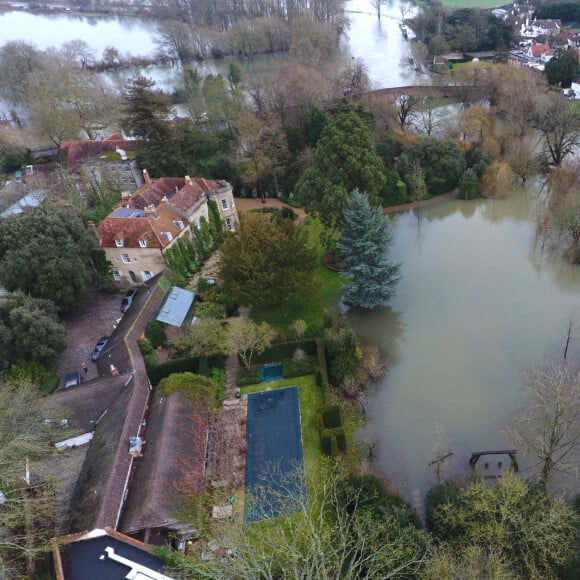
x: 344, y: 158
x: 364, y: 245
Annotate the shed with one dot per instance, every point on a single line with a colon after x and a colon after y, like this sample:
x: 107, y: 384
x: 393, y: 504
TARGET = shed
x: 176, y: 306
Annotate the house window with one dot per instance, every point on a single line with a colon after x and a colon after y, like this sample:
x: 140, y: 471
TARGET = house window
x: 116, y: 274
x: 224, y: 203
x: 167, y: 236
x: 143, y: 243
x: 147, y: 274
x: 229, y: 224
x: 179, y: 224
x: 125, y: 258
x: 119, y: 243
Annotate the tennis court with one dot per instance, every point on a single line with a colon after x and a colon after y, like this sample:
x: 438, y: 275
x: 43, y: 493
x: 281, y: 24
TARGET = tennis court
x: 274, y: 459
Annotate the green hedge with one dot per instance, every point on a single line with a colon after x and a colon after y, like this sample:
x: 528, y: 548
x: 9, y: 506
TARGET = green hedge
x: 322, y: 374
x: 192, y: 364
x: 285, y: 350
x: 246, y: 377
x: 331, y: 418
x: 298, y: 368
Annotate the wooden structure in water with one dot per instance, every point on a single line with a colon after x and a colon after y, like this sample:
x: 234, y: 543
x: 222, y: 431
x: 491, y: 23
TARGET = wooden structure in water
x: 494, y: 463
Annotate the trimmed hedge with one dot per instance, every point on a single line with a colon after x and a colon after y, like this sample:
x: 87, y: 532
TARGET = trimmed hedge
x: 331, y: 418
x: 322, y: 374
x: 245, y: 377
x: 190, y: 364
x: 285, y: 350
x: 298, y: 368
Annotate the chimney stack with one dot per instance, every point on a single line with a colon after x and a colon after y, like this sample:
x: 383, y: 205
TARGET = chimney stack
x: 188, y: 180
x: 151, y: 210
x: 146, y: 177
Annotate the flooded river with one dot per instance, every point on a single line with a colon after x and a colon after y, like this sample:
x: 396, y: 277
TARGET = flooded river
x: 477, y: 303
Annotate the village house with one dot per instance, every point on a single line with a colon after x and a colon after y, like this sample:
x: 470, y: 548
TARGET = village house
x: 540, y: 53
x: 535, y: 28
x: 95, y: 164
x: 136, y: 234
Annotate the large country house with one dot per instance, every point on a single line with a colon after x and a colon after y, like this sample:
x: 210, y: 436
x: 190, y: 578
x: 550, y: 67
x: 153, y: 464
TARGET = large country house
x: 151, y: 220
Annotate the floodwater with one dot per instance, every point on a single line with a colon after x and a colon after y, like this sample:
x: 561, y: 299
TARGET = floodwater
x: 477, y: 303
x: 380, y: 44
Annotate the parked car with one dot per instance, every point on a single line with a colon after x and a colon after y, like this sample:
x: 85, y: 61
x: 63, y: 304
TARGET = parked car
x: 128, y: 299
x: 101, y: 343
x: 72, y: 380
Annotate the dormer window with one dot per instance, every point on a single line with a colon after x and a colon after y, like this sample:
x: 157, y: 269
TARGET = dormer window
x: 119, y: 243
x: 167, y: 236
x: 143, y: 243
x: 179, y: 224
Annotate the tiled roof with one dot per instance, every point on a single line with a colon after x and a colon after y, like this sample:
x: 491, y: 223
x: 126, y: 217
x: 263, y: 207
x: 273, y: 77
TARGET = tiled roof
x: 153, y: 194
x: 172, y: 463
x: 539, y: 49
x: 182, y: 193
x: 150, y: 227
x: 79, y: 152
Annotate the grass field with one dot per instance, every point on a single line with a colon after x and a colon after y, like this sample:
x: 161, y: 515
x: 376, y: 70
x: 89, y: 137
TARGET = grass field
x: 308, y: 308
x: 471, y: 4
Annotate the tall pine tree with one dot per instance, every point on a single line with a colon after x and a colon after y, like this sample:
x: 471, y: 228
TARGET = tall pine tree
x: 364, y: 253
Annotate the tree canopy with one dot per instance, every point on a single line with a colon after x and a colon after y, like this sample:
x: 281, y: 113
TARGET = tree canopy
x: 29, y: 330
x: 266, y: 261
x: 344, y: 159
x: 563, y: 68
x: 364, y: 254
x: 45, y: 252
x: 441, y: 160
x: 514, y: 520
x: 548, y: 426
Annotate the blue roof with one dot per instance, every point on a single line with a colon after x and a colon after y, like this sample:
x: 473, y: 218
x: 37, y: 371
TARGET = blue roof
x: 176, y: 306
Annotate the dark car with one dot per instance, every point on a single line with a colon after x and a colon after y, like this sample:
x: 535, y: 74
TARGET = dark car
x: 128, y: 299
x: 101, y: 343
x: 72, y: 380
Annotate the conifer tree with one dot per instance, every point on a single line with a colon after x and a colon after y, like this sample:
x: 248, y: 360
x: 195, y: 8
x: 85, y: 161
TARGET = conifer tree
x: 364, y: 254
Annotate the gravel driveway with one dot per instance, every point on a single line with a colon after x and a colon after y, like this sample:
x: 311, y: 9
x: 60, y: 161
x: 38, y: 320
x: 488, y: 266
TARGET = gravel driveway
x: 84, y: 328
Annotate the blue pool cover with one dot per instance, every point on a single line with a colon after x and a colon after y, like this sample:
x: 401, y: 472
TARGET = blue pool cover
x: 271, y: 372
x: 274, y: 459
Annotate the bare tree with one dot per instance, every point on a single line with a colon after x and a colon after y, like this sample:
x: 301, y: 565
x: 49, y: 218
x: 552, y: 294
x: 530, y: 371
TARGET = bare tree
x: 548, y: 427
x: 377, y: 5
x: 248, y: 338
x: 571, y: 333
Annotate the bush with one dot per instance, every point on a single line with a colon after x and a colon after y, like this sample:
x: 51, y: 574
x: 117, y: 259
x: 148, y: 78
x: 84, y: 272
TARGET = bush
x: 32, y: 371
x: 218, y: 376
x: 181, y: 365
x: 145, y: 346
x: 437, y: 496
x: 210, y: 310
x: 246, y: 377
x: 155, y: 333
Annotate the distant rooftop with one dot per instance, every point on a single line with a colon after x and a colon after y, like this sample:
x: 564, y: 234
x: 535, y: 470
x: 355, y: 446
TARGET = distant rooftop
x: 128, y: 212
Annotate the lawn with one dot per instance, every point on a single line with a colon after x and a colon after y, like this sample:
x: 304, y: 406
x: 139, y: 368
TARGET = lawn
x: 311, y: 402
x: 453, y: 4
x: 308, y: 308
x: 481, y: 64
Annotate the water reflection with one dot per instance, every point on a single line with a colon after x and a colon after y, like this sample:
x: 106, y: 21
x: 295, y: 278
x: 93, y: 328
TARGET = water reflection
x: 473, y: 311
